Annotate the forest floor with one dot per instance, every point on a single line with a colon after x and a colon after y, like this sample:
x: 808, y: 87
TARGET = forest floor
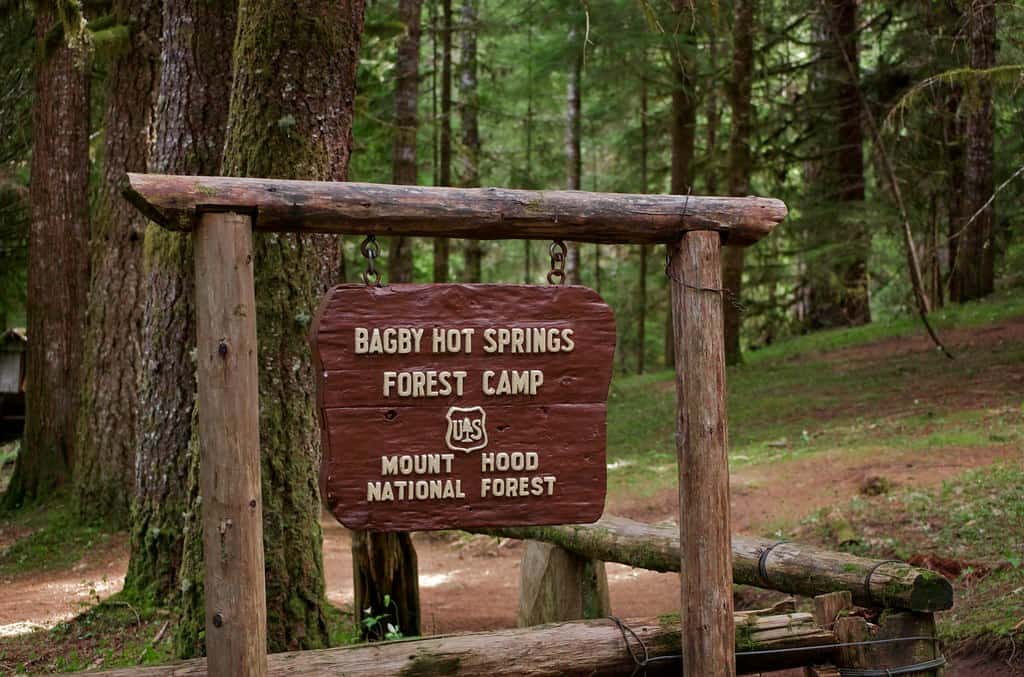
x: 865, y: 439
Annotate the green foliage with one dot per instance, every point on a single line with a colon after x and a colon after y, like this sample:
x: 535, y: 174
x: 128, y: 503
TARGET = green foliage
x: 380, y: 626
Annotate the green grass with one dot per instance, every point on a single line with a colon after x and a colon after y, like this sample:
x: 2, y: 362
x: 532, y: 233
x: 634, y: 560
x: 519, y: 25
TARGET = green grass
x: 975, y: 521
x: 56, y: 539
x: 1001, y: 306
x: 798, y: 398
x: 111, y: 634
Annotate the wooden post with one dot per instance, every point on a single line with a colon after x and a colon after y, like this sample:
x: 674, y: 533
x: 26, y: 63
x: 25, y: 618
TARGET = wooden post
x: 706, y: 611
x: 236, y: 627
x: 557, y: 585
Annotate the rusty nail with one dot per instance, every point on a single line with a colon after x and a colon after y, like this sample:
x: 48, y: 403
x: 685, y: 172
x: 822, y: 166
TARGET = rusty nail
x: 252, y: 503
x: 222, y: 349
x: 217, y: 620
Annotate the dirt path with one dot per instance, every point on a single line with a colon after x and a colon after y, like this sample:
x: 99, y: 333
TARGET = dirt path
x: 471, y: 583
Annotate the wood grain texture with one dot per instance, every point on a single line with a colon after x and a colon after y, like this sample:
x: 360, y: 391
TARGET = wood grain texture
x: 788, y: 567
x: 575, y: 649
x: 228, y: 415
x: 557, y: 585
x: 471, y: 213
x: 702, y: 448
x: 563, y: 423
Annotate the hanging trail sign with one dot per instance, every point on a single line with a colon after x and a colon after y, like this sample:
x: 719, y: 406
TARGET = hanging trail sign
x: 458, y: 405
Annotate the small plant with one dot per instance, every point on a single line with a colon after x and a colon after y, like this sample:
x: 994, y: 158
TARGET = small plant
x: 377, y: 627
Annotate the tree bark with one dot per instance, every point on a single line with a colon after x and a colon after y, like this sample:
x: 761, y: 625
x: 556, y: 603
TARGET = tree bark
x: 384, y: 564
x: 573, y: 154
x: 839, y: 284
x: 469, y: 111
x: 58, y: 265
x: 384, y: 568
x: 404, y: 163
x: 557, y: 585
x: 107, y: 439
x: 291, y: 115
x: 189, y: 130
x: 442, y: 246
x: 739, y: 165
x: 765, y: 563
x: 974, y: 269
x: 641, y: 302
x: 577, y: 649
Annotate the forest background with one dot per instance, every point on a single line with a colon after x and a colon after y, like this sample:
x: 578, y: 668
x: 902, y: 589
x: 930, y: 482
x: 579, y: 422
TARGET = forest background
x: 891, y: 130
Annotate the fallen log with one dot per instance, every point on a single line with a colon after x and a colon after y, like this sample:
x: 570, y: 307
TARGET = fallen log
x: 576, y: 648
x: 765, y: 563
x: 475, y: 213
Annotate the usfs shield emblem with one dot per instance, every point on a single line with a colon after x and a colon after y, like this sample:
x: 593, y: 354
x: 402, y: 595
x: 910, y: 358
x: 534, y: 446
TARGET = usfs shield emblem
x: 467, y: 429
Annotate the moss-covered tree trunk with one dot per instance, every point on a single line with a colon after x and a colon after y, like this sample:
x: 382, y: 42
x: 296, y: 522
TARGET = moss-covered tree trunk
x: 384, y: 566
x: 58, y: 263
x: 291, y: 111
x: 110, y: 365
x: 974, y: 269
x: 189, y: 130
x: 739, y: 164
x: 469, y: 150
x: 838, y: 292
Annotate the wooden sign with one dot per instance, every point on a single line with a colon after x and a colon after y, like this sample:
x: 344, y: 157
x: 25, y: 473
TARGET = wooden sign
x: 458, y: 405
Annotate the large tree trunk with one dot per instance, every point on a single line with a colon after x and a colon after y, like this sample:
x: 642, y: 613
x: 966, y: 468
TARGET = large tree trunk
x: 58, y: 265
x: 291, y: 116
x: 442, y: 246
x: 839, y: 282
x: 111, y: 360
x: 684, y: 127
x: 469, y: 111
x: 573, y: 154
x: 189, y: 130
x: 641, y: 302
x: 974, y: 271
x: 739, y: 165
x: 404, y: 164
x: 384, y: 564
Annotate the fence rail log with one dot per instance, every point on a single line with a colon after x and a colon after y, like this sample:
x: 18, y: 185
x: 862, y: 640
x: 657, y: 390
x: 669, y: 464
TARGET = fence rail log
x: 474, y: 213
x: 765, y: 563
x: 575, y: 648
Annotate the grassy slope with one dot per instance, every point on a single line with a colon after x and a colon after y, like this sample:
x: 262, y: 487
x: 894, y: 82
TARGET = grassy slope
x: 798, y: 398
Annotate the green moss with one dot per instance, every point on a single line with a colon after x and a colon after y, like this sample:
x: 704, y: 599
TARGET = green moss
x: 424, y: 664
x: 56, y: 539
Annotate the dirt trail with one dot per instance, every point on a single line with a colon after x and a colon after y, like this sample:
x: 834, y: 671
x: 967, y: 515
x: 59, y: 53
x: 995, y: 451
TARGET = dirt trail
x: 471, y: 583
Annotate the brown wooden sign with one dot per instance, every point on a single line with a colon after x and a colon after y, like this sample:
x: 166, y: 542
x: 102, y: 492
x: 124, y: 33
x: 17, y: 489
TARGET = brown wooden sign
x: 459, y: 405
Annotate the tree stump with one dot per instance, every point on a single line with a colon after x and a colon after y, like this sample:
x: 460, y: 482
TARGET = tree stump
x: 556, y: 585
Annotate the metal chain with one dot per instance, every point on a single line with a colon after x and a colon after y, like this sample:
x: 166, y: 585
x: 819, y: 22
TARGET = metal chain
x: 558, y: 252
x: 370, y: 249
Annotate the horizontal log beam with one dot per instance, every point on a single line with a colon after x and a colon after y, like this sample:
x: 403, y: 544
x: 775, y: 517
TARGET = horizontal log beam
x: 765, y: 563
x: 475, y: 213
x: 571, y: 649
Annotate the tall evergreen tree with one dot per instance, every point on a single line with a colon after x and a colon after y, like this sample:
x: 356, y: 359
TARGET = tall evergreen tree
x: 838, y: 279
x: 189, y: 130
x: 974, y: 271
x: 384, y: 564
x: 58, y: 259
x: 573, y: 132
x: 739, y: 163
x: 403, y: 151
x: 469, y: 110
x: 292, y: 103
x: 107, y: 439
x: 442, y: 246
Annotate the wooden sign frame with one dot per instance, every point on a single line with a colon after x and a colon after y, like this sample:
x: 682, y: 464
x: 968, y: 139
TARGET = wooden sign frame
x: 527, y: 366
x: 222, y: 212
